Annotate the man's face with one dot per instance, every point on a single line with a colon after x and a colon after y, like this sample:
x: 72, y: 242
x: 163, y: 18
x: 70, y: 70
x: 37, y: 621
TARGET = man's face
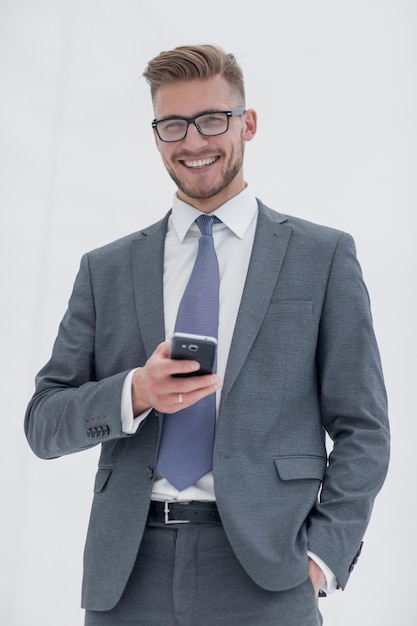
x: 208, y: 171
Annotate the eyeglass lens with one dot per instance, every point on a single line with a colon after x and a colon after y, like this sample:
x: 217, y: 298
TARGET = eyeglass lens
x: 208, y: 124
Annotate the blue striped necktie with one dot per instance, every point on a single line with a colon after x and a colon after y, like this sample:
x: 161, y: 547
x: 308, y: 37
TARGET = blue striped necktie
x: 186, y: 448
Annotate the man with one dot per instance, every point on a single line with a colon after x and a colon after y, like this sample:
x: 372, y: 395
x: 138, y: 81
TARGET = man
x: 248, y: 539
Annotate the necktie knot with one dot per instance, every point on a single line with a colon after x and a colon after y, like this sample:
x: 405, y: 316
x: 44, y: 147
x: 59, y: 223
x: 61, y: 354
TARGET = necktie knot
x: 205, y: 223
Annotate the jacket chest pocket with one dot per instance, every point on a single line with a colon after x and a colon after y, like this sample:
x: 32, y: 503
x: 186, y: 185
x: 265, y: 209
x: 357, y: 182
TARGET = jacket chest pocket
x: 291, y: 307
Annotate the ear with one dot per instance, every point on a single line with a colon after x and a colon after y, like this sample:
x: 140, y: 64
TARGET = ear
x: 249, y: 124
x: 156, y: 138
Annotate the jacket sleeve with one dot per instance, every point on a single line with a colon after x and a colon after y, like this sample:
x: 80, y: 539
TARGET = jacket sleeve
x: 71, y: 410
x: 354, y: 414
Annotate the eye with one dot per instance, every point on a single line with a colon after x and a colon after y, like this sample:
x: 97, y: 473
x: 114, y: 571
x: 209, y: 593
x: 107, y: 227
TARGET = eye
x: 172, y: 125
x: 211, y: 119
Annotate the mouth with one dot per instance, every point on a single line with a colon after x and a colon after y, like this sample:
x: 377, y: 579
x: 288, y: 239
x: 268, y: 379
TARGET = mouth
x: 199, y: 163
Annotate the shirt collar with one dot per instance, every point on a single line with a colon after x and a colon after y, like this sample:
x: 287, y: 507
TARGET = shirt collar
x: 237, y: 213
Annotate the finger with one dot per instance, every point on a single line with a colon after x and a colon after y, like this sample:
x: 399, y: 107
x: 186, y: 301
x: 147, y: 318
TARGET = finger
x: 163, y: 349
x: 189, y: 384
x: 181, y: 401
x: 182, y: 366
x: 165, y: 366
x: 191, y: 389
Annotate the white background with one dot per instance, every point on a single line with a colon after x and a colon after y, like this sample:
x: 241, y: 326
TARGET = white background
x: 334, y: 84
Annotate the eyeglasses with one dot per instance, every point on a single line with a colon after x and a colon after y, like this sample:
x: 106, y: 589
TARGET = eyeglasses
x: 208, y: 124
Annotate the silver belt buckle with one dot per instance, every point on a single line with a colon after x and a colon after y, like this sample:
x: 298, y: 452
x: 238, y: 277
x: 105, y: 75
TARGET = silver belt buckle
x: 166, y: 513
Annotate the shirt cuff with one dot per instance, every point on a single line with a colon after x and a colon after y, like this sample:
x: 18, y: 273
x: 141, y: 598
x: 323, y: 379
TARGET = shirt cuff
x: 130, y: 423
x: 330, y: 585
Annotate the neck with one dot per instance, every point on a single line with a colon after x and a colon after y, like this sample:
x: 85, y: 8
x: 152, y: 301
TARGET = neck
x: 208, y: 205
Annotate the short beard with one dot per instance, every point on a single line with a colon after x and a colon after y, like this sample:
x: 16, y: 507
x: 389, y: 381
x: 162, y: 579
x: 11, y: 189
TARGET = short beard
x: 205, y: 194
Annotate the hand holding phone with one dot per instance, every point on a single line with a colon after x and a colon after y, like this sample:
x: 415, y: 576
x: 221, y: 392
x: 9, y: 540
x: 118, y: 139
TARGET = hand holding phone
x: 195, y: 348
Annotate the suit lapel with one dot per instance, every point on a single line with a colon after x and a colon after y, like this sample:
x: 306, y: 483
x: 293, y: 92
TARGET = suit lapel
x: 269, y: 248
x: 147, y: 270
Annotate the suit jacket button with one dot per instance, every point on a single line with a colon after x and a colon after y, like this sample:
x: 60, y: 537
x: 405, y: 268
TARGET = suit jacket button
x: 150, y: 472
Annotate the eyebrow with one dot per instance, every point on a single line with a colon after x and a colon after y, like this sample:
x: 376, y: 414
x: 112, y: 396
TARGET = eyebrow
x: 185, y: 117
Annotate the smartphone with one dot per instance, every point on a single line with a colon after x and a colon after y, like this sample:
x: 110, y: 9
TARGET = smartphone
x: 196, y: 348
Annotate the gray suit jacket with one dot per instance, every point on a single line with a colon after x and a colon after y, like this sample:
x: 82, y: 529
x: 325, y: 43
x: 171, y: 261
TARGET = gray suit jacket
x: 303, y: 361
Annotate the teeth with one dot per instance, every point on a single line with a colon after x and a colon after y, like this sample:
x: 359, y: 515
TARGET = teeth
x: 200, y: 162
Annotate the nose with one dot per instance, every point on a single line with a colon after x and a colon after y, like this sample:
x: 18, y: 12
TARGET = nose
x: 194, y: 139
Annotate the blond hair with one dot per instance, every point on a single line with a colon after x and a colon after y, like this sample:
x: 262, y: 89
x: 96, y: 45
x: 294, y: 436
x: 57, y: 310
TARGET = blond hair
x: 191, y: 63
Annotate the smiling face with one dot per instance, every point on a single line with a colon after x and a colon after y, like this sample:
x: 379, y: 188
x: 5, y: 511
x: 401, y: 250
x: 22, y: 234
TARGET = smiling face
x: 208, y: 171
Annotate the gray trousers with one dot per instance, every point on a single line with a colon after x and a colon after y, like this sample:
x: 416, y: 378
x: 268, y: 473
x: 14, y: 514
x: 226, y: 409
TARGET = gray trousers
x: 188, y: 575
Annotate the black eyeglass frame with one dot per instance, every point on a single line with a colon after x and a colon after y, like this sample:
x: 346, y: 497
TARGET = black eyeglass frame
x: 192, y: 120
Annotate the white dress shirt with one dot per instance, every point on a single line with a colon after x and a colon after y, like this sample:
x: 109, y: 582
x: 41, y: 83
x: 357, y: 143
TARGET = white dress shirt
x: 233, y: 241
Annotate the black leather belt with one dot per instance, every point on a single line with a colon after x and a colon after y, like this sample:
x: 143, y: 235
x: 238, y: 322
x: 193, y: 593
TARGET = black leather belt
x: 183, y: 512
